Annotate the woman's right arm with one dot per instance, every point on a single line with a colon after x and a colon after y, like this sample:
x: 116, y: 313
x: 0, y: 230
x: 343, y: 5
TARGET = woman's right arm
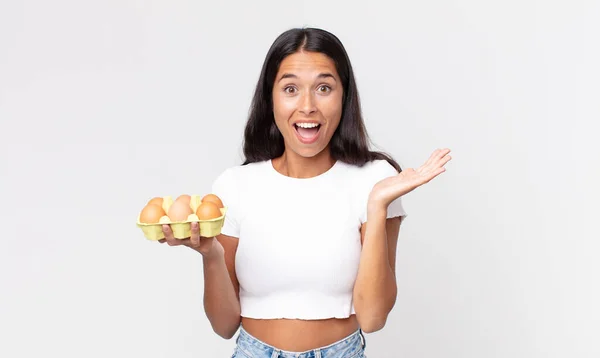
x: 221, y: 288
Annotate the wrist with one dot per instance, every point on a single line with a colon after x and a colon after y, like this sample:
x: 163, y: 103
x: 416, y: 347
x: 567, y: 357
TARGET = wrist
x: 376, y: 204
x: 215, y: 252
x: 376, y: 209
x: 213, y: 261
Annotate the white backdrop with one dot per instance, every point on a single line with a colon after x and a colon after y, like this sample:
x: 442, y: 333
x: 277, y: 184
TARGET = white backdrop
x: 105, y: 104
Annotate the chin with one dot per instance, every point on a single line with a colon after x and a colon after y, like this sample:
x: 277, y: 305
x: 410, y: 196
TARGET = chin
x: 307, y: 152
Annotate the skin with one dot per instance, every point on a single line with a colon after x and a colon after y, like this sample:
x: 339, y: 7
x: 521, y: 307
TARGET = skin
x: 307, y: 88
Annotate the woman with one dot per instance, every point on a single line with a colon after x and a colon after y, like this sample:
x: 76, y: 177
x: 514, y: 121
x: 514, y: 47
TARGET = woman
x: 296, y: 268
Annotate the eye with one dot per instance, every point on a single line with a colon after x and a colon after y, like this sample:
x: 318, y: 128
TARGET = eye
x: 324, y: 89
x: 289, y: 90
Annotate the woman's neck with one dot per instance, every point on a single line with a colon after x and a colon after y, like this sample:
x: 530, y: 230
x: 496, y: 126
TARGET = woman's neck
x: 293, y: 165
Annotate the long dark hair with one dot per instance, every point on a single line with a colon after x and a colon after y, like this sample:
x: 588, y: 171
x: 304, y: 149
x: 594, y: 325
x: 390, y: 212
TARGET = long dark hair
x: 349, y: 143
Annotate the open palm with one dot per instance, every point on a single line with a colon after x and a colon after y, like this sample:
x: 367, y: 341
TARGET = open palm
x: 389, y: 189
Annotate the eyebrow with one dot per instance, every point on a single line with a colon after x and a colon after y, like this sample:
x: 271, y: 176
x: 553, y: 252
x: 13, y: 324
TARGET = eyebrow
x: 321, y: 75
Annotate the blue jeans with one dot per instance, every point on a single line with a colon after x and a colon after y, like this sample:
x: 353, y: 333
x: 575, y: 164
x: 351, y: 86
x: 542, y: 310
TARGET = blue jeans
x: 352, y: 346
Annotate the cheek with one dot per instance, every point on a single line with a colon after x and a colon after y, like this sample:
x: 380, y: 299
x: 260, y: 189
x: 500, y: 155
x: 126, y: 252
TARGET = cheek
x: 332, y: 110
x: 282, y: 112
x: 282, y: 108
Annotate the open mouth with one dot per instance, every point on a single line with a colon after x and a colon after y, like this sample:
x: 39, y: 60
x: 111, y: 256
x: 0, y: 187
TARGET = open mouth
x: 307, y: 132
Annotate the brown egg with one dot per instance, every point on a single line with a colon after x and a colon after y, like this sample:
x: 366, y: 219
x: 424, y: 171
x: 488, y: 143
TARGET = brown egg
x: 179, y: 210
x: 156, y: 201
x: 212, y: 198
x: 185, y: 198
x: 207, y: 211
x: 151, y: 214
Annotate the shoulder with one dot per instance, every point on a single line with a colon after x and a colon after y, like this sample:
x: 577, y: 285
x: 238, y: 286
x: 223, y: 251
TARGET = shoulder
x: 229, y: 185
x: 379, y: 167
x: 233, y: 180
x: 241, y: 172
x: 371, y: 171
x: 362, y: 179
x: 366, y: 177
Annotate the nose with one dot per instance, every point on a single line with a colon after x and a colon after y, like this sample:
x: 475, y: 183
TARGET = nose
x: 307, y: 103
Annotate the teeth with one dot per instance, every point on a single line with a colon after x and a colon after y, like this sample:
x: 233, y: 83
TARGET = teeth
x: 307, y: 125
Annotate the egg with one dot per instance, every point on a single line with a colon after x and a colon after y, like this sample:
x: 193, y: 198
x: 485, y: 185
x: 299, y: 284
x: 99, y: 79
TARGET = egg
x: 185, y: 198
x: 151, y: 214
x: 207, y: 211
x: 156, y: 201
x: 212, y: 198
x: 179, y: 210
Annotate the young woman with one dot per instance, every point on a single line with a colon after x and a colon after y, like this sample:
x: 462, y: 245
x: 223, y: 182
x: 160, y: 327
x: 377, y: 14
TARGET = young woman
x: 306, y: 258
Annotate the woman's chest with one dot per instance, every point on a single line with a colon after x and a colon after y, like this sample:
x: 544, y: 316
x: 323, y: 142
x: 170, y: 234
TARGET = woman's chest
x: 294, y: 216
x: 293, y: 230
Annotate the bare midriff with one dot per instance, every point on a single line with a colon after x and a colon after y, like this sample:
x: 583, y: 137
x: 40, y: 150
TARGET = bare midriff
x: 300, y: 335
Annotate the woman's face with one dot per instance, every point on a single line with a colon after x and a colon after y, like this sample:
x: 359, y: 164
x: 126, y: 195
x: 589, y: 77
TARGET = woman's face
x: 307, y: 102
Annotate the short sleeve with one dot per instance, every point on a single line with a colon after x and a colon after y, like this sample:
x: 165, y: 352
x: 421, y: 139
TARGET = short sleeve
x: 375, y: 172
x: 225, y: 187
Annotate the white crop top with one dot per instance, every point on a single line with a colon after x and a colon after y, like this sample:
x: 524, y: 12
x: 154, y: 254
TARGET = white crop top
x: 299, y: 239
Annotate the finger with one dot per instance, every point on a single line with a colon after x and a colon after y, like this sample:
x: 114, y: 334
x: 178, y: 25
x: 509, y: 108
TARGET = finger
x: 431, y: 158
x: 431, y: 162
x: 166, y: 229
x: 445, y: 160
x: 162, y: 241
x: 443, y: 153
x: 440, y: 159
x: 195, y: 237
x: 434, y: 174
x: 171, y: 240
x: 438, y: 172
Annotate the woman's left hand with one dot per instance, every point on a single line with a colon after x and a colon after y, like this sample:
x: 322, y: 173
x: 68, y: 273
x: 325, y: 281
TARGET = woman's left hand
x: 389, y: 189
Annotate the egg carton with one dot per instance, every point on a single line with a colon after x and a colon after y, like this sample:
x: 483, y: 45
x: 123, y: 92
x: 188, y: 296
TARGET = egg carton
x: 183, y: 229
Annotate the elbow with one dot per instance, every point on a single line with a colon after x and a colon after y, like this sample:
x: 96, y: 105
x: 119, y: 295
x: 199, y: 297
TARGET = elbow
x: 372, y: 317
x: 371, y: 324
x: 226, y: 327
x: 226, y: 331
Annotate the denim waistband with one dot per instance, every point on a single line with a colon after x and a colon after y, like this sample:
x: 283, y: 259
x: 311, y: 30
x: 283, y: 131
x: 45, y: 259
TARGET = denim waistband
x: 349, y: 346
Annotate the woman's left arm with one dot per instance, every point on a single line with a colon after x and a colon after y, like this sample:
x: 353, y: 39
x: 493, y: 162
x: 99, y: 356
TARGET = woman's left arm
x: 375, y: 288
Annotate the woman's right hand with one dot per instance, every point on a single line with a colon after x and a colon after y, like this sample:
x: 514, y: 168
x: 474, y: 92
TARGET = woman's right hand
x: 207, y: 246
